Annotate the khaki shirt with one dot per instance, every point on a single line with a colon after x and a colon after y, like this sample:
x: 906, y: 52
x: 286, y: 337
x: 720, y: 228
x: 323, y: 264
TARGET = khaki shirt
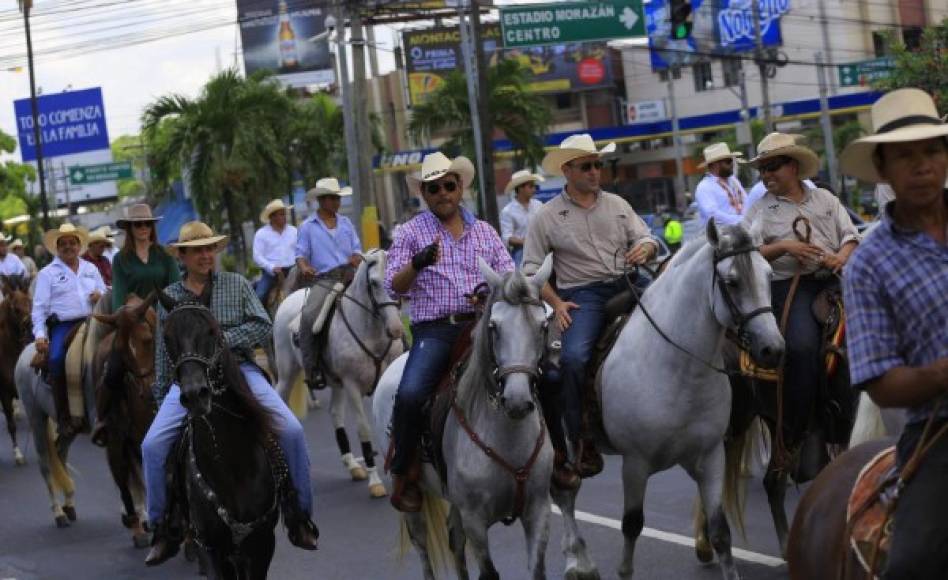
x: 588, y: 245
x: 831, y: 225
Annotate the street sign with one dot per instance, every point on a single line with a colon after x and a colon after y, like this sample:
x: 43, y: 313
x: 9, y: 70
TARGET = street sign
x: 539, y: 24
x: 70, y: 122
x: 861, y: 73
x: 84, y: 174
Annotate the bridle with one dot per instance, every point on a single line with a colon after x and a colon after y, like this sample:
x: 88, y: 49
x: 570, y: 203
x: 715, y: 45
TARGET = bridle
x: 499, y: 372
x: 213, y: 365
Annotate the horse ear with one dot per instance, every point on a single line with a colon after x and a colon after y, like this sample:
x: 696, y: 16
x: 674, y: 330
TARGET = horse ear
x: 542, y: 275
x: 494, y: 279
x: 756, y: 231
x: 107, y: 319
x: 712, y: 233
x: 166, y: 301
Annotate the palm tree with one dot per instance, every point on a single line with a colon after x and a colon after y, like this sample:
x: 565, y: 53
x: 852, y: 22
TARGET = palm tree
x: 230, y: 142
x: 523, y: 116
x: 318, y: 138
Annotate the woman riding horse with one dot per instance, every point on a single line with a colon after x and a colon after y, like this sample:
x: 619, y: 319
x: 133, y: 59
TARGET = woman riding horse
x: 245, y: 325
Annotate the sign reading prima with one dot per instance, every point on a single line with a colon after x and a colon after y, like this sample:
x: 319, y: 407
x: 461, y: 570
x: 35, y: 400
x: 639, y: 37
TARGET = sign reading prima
x: 70, y: 122
x: 538, y: 24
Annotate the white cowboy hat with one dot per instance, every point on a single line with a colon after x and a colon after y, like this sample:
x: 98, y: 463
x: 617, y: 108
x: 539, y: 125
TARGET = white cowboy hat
x: 717, y: 152
x: 66, y: 229
x: 100, y: 235
x: 436, y: 165
x: 17, y: 243
x: 899, y: 116
x: 5, y: 238
x: 521, y: 177
x: 198, y: 235
x: 573, y: 147
x: 328, y: 186
x: 785, y: 145
x: 140, y: 212
x: 271, y: 208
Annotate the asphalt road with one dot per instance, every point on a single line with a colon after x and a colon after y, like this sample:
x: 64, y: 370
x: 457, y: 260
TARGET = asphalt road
x: 358, y: 535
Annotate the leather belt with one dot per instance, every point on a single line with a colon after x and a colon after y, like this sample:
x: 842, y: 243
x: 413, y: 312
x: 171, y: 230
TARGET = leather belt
x: 454, y: 318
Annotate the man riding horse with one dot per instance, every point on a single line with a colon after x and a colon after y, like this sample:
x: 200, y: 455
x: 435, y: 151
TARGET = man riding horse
x: 433, y: 262
x: 586, y: 229
x: 66, y: 290
x: 274, y: 247
x: 245, y: 325
x: 328, y: 251
x: 896, y: 292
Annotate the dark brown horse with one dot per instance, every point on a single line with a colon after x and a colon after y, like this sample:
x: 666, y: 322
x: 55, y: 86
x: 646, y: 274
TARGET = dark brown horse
x: 16, y: 331
x: 817, y: 545
x: 124, y: 365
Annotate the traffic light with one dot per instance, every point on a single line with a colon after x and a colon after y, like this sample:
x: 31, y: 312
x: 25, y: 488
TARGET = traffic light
x: 680, y: 19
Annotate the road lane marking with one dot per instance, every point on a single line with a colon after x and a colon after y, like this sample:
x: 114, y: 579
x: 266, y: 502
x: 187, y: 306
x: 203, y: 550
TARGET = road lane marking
x: 739, y: 553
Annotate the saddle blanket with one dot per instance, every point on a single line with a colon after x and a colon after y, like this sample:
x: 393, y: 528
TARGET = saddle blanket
x: 868, y: 511
x: 75, y: 368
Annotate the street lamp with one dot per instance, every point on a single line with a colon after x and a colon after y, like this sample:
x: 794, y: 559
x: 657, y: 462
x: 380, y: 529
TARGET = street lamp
x: 25, y: 7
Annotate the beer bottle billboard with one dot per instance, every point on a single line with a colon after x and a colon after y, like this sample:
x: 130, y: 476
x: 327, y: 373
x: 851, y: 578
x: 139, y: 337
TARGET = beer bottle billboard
x: 289, y: 55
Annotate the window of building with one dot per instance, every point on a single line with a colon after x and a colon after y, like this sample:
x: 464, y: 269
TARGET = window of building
x: 880, y: 43
x: 663, y: 74
x: 912, y: 37
x: 732, y: 71
x: 704, y: 78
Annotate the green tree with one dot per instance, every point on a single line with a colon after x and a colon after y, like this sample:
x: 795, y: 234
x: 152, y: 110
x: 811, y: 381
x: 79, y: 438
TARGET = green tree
x: 523, y: 116
x: 925, y: 68
x: 130, y: 148
x: 15, y: 198
x: 230, y: 143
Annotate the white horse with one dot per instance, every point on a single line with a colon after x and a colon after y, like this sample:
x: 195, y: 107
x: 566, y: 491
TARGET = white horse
x: 664, y: 403
x: 494, y: 399
x: 873, y: 422
x: 365, y: 336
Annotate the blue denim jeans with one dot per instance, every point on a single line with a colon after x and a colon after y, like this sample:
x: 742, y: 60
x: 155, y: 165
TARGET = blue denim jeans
x: 167, y: 425
x: 427, y: 363
x: 263, y: 285
x: 517, y: 254
x: 57, y: 347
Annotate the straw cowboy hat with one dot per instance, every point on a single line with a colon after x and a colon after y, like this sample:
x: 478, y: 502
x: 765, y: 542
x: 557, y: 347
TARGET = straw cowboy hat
x: 573, y: 147
x: 102, y: 234
x: 785, y: 145
x: 271, y: 208
x: 328, y: 186
x: 51, y: 237
x: 717, y: 152
x: 140, y: 212
x: 198, y: 235
x: 899, y: 116
x: 17, y: 243
x: 436, y: 165
x: 521, y: 177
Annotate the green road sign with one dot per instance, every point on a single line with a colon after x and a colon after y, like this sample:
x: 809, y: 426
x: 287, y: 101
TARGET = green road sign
x: 537, y: 24
x: 862, y: 73
x: 86, y: 174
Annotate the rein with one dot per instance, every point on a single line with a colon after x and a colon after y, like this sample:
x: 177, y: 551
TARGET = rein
x: 213, y: 367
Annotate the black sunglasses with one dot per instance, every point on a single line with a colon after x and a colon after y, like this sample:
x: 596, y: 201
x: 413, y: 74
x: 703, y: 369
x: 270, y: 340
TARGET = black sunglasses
x: 586, y: 166
x: 773, y: 165
x: 434, y: 188
x: 141, y: 224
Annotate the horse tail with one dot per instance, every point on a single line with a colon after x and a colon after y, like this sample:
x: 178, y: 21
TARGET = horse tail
x: 435, y: 514
x: 57, y: 470
x: 735, y: 486
x: 869, y: 424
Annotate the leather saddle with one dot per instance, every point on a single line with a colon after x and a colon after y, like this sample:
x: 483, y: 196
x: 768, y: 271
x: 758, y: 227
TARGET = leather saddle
x: 869, y: 509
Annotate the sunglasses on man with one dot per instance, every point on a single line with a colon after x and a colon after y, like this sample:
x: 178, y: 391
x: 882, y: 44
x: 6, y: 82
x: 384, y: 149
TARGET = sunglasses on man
x: 434, y: 188
x: 587, y: 165
x: 774, y: 165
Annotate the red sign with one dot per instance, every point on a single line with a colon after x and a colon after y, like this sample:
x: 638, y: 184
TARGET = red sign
x: 591, y: 71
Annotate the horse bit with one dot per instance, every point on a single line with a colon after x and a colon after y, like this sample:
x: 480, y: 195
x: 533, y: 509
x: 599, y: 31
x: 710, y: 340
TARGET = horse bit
x: 213, y: 368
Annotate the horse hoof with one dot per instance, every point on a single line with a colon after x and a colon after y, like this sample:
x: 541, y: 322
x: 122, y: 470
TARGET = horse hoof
x: 18, y: 459
x: 62, y: 522
x: 703, y: 551
x: 574, y: 574
x: 358, y: 473
x: 190, y: 551
x: 142, y: 540
x: 129, y: 521
x: 70, y: 512
x: 377, y: 490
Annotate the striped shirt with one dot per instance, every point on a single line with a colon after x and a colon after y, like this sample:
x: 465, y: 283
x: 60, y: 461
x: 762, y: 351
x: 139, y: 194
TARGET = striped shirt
x: 242, y: 319
x: 439, y: 289
x: 896, y: 295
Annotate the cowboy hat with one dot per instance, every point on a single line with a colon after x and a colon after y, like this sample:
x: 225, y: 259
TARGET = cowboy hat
x: 573, y: 147
x: 784, y: 145
x: 17, y: 243
x: 140, y: 212
x: 521, y: 177
x: 328, y: 186
x: 271, y: 208
x: 197, y: 235
x: 51, y: 237
x: 436, y: 165
x: 101, y: 234
x: 717, y: 152
x: 899, y: 116
x: 5, y: 238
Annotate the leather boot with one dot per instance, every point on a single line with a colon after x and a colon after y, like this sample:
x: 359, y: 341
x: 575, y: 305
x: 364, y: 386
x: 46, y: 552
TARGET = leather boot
x: 64, y: 420
x: 406, y: 495
x: 590, y: 460
x: 164, y: 545
x: 304, y: 535
x: 100, y: 433
x: 564, y: 474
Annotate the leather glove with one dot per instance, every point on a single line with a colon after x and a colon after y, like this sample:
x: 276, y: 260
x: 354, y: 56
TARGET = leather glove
x: 425, y: 257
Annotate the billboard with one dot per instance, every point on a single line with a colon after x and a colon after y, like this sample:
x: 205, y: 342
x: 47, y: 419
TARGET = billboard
x: 720, y: 27
x: 70, y: 122
x: 432, y: 53
x: 275, y: 36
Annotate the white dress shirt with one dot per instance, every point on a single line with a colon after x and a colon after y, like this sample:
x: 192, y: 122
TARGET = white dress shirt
x: 272, y: 249
x: 65, y: 293
x: 715, y: 201
x: 760, y: 190
x: 515, y: 218
x: 12, y: 265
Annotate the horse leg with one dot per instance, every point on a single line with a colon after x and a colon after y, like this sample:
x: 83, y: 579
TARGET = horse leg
x: 337, y: 410
x: 122, y: 469
x: 775, y: 484
x: 376, y: 487
x: 475, y: 528
x: 457, y: 541
x: 634, y: 479
x: 708, y: 472
x: 418, y: 533
x: 579, y: 566
x: 6, y: 399
x: 536, y: 528
x: 703, y: 549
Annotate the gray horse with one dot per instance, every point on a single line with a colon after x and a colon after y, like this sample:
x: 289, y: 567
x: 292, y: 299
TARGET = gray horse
x: 365, y: 336
x: 664, y: 403
x: 495, y: 399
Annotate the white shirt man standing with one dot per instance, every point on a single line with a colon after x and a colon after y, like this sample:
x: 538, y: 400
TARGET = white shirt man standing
x: 274, y: 247
x: 516, y: 215
x: 720, y: 195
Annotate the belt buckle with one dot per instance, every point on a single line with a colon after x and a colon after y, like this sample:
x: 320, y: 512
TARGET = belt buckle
x: 452, y: 319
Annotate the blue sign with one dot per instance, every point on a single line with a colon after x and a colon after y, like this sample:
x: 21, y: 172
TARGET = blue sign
x: 70, y: 122
x: 719, y: 27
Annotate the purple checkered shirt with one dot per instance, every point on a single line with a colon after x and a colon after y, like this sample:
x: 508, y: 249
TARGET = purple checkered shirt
x: 439, y: 290
x: 896, y: 294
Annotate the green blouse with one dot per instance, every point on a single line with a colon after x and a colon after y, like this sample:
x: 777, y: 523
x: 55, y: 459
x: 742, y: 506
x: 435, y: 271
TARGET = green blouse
x: 131, y: 276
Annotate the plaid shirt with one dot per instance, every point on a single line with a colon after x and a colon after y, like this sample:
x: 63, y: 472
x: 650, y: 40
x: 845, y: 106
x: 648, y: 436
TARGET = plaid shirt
x: 896, y: 296
x: 439, y: 290
x: 242, y: 318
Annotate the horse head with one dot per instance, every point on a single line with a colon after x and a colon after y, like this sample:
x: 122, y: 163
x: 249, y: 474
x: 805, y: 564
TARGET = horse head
x: 510, y: 338
x: 741, y: 298
x: 18, y: 307
x: 134, y: 326
x: 370, y: 281
x: 196, y: 348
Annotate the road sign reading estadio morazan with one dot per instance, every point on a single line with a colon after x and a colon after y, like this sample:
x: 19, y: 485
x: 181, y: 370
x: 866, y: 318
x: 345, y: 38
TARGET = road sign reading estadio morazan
x: 539, y: 24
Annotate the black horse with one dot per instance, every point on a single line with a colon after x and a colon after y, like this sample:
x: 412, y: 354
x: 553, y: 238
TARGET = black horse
x: 229, y: 475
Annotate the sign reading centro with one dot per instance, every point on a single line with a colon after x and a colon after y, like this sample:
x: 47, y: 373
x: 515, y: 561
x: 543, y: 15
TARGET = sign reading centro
x: 539, y: 24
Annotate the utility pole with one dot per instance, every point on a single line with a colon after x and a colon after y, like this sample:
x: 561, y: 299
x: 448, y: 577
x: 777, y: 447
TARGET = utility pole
x: 491, y: 215
x: 826, y: 124
x: 468, y: 56
x: 25, y: 6
x: 360, y: 116
x: 352, y: 150
x: 679, y: 171
x: 745, y: 116
x: 827, y: 45
x: 763, y: 66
